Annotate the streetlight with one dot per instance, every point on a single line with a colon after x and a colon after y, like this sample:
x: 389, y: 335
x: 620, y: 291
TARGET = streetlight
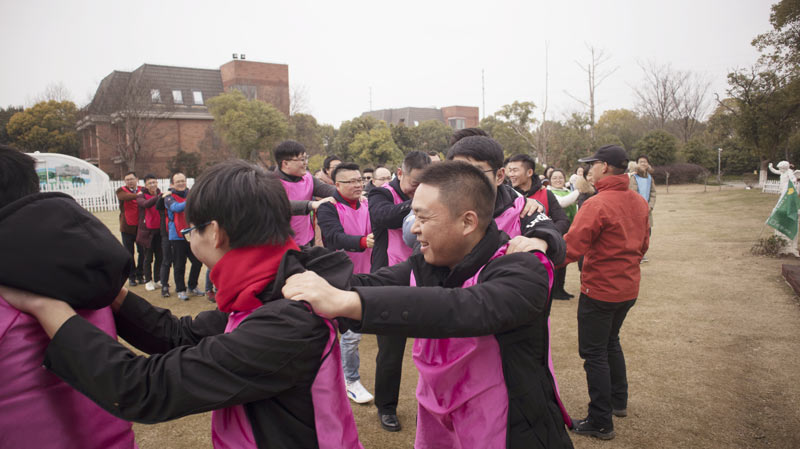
x: 719, y: 166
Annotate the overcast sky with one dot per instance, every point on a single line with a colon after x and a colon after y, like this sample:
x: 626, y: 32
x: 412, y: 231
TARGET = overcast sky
x: 410, y: 53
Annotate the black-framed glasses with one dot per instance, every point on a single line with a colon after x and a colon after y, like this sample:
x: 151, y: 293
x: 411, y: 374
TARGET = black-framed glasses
x: 491, y: 170
x: 188, y: 231
x: 352, y: 181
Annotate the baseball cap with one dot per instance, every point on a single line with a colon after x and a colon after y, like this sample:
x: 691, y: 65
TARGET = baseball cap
x: 614, y: 155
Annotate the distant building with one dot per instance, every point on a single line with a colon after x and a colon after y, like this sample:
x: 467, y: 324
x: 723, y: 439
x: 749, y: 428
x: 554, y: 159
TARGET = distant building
x: 457, y: 117
x: 163, y: 109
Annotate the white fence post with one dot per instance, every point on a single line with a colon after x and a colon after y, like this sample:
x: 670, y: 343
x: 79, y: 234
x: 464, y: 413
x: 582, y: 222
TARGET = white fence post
x: 99, y: 201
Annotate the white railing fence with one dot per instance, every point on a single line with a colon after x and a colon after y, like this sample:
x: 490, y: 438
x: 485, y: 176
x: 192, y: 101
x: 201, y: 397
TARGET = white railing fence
x: 99, y: 198
x: 771, y: 187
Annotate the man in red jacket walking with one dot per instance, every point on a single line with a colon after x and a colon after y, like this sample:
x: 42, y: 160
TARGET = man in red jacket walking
x: 610, y: 229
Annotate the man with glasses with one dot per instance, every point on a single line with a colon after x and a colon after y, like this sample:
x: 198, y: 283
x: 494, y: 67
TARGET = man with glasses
x: 301, y: 188
x: 345, y: 226
x: 175, y: 203
x: 382, y: 176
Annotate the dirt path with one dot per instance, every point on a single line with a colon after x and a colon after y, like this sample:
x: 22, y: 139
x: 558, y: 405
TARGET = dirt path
x: 710, y: 345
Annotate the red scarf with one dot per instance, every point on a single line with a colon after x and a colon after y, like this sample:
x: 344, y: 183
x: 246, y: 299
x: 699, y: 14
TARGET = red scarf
x: 243, y: 273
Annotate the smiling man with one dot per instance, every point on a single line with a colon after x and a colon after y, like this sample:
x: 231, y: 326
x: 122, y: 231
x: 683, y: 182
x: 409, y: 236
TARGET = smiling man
x: 479, y: 316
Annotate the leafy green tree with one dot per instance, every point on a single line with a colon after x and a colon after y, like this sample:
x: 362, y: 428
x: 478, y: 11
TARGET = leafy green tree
x: 304, y: 129
x: 660, y: 147
x: 519, y: 119
x: 432, y: 135
x: 375, y: 147
x: 5, y: 116
x: 347, y: 133
x: 501, y: 131
x: 186, y: 163
x: 328, y: 135
x: 404, y: 137
x: 48, y: 126
x: 249, y: 127
x: 698, y: 152
x: 570, y: 141
x: 623, y: 124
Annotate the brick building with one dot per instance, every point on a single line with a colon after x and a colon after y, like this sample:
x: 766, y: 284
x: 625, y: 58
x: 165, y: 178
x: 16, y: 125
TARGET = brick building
x: 457, y: 117
x: 163, y: 110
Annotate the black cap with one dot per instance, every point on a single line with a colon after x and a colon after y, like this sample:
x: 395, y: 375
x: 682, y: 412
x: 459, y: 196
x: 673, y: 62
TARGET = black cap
x: 614, y: 155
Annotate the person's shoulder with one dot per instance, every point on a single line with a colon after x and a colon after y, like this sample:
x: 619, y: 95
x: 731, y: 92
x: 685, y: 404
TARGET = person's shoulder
x: 292, y: 317
x: 522, y: 265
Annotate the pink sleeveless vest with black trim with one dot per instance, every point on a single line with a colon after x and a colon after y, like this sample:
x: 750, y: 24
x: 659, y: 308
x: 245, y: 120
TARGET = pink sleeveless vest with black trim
x: 356, y: 222
x: 301, y: 191
x: 333, y: 418
x: 397, y: 250
x: 508, y: 222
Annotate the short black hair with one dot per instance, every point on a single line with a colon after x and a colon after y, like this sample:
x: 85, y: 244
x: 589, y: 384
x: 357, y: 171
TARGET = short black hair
x: 479, y: 148
x: 172, y: 176
x: 525, y: 159
x: 326, y: 164
x: 149, y: 176
x: 462, y: 187
x: 558, y: 170
x: 287, y: 150
x: 415, y: 160
x: 343, y: 167
x: 369, y: 170
x: 642, y: 156
x: 18, y: 175
x: 248, y: 202
x: 130, y: 173
x: 466, y: 132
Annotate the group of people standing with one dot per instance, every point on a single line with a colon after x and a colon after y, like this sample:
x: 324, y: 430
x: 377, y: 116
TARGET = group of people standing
x: 445, y: 252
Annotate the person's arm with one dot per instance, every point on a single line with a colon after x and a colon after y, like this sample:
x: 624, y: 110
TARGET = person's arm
x: 567, y: 200
x: 542, y: 227
x: 124, y: 195
x: 383, y: 213
x: 174, y: 206
x: 584, y: 230
x: 333, y: 234
x: 513, y: 289
x: 556, y: 213
x: 322, y: 189
x: 652, y: 201
x: 273, y: 350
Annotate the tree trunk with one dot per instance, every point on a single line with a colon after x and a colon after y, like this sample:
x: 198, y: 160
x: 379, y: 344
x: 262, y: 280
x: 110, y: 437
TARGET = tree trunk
x: 762, y: 173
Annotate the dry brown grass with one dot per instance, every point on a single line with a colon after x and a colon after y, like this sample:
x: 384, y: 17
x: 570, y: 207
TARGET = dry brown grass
x: 710, y: 345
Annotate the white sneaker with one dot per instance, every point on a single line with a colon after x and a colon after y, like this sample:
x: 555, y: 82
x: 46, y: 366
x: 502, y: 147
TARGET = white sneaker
x: 357, y: 393
x: 157, y: 284
x: 150, y: 286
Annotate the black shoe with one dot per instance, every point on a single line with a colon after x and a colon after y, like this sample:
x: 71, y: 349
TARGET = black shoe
x: 165, y: 292
x: 390, y: 422
x: 619, y: 412
x: 586, y: 427
x: 561, y: 295
x: 132, y: 283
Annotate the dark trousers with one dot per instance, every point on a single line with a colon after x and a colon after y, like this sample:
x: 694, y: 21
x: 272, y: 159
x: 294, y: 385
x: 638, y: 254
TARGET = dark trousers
x: 598, y: 344
x: 128, y: 241
x: 181, y: 251
x: 166, y: 259
x: 388, y: 370
x: 560, y: 277
x: 153, y: 272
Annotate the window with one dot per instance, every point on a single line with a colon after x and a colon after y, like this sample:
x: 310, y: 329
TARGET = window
x: 198, y: 97
x: 457, y: 123
x: 155, y: 95
x: 250, y: 92
x: 177, y: 97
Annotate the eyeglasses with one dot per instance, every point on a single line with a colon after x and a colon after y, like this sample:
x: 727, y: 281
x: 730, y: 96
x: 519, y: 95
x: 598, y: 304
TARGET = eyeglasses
x: 352, y: 181
x: 491, y: 170
x: 301, y: 159
x: 186, y: 233
x: 367, y: 178
x: 385, y: 178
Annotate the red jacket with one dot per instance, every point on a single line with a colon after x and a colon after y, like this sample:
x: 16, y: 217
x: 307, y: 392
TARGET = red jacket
x: 611, y: 232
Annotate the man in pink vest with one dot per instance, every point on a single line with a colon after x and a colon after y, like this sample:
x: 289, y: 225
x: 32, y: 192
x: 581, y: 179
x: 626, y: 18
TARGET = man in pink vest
x: 388, y: 206
x: 268, y: 367
x: 129, y: 222
x: 301, y: 188
x: 480, y: 318
x: 521, y: 170
x: 77, y: 259
x: 345, y: 226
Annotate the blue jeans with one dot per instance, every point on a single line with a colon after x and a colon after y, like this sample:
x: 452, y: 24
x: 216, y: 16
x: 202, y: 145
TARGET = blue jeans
x: 350, y: 360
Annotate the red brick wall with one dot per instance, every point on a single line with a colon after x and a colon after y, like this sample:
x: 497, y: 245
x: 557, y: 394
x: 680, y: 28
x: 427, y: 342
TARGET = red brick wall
x: 271, y: 80
x: 470, y: 113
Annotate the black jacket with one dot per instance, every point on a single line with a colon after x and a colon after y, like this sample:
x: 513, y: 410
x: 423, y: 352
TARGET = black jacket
x: 54, y: 247
x: 554, y: 209
x: 510, y: 301
x: 385, y: 215
x: 537, y: 225
x: 267, y: 363
x: 333, y: 235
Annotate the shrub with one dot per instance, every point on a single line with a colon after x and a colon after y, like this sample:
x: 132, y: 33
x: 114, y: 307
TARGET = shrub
x: 660, y: 147
x: 768, y: 246
x: 680, y: 173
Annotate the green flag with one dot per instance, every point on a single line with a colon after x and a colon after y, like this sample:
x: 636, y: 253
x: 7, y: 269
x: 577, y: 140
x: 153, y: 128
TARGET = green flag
x: 784, y: 216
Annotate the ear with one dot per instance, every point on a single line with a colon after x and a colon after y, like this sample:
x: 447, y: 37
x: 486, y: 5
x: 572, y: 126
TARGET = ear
x: 529, y: 173
x: 219, y: 236
x: 399, y: 172
x: 470, y: 222
x: 500, y: 176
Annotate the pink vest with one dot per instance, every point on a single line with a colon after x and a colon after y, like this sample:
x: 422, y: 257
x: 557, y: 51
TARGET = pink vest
x: 397, y: 250
x: 301, y: 191
x: 333, y: 417
x: 508, y: 222
x: 356, y: 222
x: 461, y: 393
x: 37, y: 409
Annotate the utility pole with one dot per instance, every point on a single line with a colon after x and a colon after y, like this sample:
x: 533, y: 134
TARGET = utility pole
x: 483, y: 95
x: 370, y: 98
x: 719, y: 167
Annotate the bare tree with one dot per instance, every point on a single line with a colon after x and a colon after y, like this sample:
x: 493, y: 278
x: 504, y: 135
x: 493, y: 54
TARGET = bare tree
x: 299, y: 103
x: 595, y: 76
x: 544, y: 128
x: 657, y: 94
x: 54, y: 91
x: 691, y: 104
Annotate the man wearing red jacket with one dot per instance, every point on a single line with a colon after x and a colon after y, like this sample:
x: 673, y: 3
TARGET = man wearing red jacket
x: 128, y: 224
x: 610, y: 229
